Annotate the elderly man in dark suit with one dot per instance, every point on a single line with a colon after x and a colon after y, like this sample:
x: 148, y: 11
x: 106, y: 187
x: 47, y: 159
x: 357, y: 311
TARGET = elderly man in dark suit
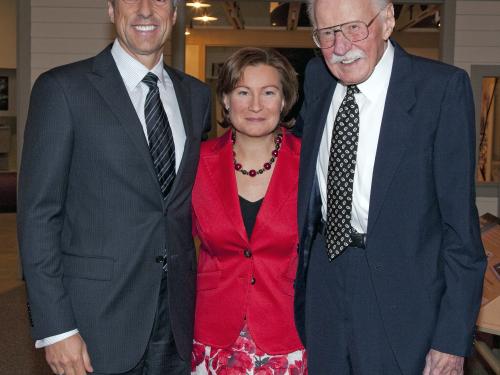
x: 110, y: 154
x: 391, y: 261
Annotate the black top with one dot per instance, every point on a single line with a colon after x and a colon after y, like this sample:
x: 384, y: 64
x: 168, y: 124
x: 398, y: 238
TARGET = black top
x: 249, y: 211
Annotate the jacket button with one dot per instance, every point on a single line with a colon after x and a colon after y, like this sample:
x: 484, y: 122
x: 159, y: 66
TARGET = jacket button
x: 247, y: 253
x: 252, y: 281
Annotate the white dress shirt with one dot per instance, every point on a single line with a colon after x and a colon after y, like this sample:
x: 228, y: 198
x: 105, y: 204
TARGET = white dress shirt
x: 132, y: 73
x: 371, y: 103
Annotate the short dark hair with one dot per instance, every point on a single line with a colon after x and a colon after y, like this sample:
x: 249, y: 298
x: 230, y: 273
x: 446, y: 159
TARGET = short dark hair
x: 232, y: 70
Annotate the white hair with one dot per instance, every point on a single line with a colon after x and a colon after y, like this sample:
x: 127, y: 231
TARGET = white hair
x: 377, y: 4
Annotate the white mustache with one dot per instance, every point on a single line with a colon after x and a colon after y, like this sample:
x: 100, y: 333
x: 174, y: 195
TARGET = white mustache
x: 350, y: 55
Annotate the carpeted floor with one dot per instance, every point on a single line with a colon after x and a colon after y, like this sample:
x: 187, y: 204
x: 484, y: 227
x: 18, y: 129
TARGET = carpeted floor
x: 18, y: 356
x: 17, y: 353
x: 8, y: 183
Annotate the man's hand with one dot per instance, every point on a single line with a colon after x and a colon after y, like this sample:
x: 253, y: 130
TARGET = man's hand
x: 69, y: 356
x: 438, y: 363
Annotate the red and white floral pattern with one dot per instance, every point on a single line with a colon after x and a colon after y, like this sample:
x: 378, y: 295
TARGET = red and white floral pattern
x: 244, y: 358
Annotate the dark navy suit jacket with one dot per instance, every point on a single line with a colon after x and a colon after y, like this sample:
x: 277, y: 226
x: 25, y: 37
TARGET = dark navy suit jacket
x: 423, y: 242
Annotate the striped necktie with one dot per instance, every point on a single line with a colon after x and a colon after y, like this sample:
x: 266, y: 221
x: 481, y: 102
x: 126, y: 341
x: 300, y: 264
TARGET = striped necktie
x: 161, y: 141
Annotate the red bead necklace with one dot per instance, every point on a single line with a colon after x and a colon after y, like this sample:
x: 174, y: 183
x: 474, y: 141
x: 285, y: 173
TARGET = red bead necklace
x: 267, y: 166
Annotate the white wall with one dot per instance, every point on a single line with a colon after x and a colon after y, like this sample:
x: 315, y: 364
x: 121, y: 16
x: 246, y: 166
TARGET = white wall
x: 64, y: 31
x: 477, y: 33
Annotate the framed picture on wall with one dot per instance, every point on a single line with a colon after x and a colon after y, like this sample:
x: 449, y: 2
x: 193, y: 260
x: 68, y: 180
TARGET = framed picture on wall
x: 216, y: 67
x: 4, y: 93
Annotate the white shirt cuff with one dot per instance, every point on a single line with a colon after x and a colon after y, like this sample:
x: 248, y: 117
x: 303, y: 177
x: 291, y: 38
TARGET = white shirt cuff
x: 53, y: 339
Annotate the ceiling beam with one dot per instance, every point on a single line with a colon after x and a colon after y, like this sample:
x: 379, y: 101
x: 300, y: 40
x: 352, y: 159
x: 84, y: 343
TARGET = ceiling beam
x: 412, y: 14
x: 293, y: 15
x: 233, y: 14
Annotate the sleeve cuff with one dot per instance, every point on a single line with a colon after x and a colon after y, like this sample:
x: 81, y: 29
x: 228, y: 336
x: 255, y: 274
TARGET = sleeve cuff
x: 53, y: 339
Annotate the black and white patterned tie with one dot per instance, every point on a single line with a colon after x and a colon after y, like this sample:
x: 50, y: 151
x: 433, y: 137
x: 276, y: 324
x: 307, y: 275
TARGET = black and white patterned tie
x: 161, y: 141
x: 340, y: 178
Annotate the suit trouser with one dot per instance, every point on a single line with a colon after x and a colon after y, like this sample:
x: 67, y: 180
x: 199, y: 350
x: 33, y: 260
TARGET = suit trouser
x: 344, y: 329
x: 161, y: 357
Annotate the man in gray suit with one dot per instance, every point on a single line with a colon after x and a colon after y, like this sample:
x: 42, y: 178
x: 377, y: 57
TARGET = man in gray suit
x: 110, y: 154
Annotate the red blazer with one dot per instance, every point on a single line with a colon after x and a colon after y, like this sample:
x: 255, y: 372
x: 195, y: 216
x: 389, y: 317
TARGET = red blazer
x: 240, y: 277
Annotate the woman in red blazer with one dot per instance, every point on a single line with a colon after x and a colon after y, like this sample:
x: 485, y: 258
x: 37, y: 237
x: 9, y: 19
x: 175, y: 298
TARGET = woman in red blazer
x: 245, y: 215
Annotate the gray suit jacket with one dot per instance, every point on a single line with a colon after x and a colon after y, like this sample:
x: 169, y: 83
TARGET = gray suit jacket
x: 91, y: 218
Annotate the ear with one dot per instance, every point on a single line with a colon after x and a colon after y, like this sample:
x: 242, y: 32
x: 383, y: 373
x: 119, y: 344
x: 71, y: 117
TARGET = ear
x: 174, y: 16
x: 389, y: 21
x: 225, y: 100
x: 111, y: 11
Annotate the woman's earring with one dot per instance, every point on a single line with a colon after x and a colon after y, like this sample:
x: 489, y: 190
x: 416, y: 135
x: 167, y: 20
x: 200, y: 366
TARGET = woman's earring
x: 228, y: 108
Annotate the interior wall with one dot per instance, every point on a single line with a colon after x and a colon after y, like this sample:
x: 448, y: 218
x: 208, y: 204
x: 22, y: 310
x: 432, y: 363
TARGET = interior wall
x: 66, y: 31
x: 200, y: 39
x: 8, y: 143
x: 477, y: 50
x: 8, y: 34
x: 420, y: 43
x: 477, y: 31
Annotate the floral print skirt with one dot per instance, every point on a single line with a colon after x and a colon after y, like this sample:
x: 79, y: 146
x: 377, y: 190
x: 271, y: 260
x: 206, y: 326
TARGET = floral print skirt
x: 244, y: 358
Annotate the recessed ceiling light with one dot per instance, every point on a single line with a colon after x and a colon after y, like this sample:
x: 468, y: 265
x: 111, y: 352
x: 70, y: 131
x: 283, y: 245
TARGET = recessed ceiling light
x: 205, y: 18
x: 197, y: 5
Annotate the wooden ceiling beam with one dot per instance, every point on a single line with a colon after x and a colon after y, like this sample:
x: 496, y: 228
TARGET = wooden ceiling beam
x: 293, y: 15
x: 412, y: 14
x: 233, y: 14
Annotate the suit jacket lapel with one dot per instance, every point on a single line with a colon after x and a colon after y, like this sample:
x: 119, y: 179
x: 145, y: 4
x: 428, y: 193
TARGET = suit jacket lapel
x: 318, y: 106
x: 183, y: 95
x: 108, y: 82
x: 219, y: 166
x: 395, y: 131
x: 282, y: 185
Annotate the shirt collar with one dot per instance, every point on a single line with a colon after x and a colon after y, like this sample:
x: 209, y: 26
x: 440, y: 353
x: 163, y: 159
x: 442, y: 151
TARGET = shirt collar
x: 375, y: 85
x: 131, y: 70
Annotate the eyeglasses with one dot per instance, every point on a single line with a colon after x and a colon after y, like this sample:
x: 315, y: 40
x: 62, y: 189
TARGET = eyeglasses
x: 159, y: 3
x: 354, y: 31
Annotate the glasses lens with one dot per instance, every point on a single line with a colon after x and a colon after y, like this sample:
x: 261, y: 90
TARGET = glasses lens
x: 355, y: 31
x: 352, y: 31
x: 324, y: 38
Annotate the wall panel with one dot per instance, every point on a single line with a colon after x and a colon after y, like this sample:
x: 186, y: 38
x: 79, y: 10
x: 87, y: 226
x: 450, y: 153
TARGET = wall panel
x: 477, y: 31
x: 65, y: 31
